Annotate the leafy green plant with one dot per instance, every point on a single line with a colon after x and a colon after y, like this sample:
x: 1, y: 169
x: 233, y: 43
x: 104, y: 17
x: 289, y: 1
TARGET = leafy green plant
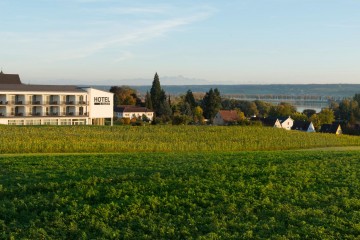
x: 260, y: 195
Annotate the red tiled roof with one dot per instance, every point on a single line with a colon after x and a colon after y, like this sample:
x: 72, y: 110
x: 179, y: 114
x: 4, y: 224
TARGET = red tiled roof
x: 229, y: 115
x: 131, y: 108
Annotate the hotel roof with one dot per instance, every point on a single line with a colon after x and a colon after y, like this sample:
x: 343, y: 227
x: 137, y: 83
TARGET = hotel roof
x: 12, y: 83
x: 9, y: 78
x: 39, y: 88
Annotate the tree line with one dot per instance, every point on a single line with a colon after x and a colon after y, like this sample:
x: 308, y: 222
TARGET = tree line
x: 187, y: 108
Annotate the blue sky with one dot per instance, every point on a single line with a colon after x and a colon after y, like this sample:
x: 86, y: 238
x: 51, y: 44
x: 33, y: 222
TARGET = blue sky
x: 206, y: 41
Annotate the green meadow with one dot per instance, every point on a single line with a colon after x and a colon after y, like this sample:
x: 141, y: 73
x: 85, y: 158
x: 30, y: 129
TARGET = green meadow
x: 177, y: 182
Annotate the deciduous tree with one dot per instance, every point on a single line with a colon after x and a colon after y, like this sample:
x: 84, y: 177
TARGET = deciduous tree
x: 124, y: 95
x: 326, y: 116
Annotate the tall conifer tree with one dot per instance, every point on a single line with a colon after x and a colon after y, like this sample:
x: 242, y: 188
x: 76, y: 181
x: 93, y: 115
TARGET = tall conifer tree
x: 189, y: 98
x: 158, y: 99
x: 211, y: 103
x: 148, y: 102
x: 156, y: 92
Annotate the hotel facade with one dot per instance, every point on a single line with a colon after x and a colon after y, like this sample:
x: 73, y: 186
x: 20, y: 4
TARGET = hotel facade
x: 23, y: 104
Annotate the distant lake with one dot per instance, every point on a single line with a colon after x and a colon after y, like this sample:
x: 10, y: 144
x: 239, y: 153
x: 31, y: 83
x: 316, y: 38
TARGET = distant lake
x: 321, y: 93
x: 324, y: 90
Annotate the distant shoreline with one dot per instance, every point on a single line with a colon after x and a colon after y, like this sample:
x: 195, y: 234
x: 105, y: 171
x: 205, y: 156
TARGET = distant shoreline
x: 325, y: 90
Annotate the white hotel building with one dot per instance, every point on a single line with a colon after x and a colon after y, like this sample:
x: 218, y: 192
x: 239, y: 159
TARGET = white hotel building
x: 23, y: 104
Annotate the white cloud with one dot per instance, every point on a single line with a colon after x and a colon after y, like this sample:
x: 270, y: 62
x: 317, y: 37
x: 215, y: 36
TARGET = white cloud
x: 146, y: 32
x: 86, y: 36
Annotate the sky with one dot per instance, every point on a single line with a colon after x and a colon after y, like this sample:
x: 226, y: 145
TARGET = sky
x: 124, y: 42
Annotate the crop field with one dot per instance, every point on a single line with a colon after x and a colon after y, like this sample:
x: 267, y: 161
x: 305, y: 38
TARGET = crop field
x: 243, y: 195
x: 177, y: 182
x: 104, y: 139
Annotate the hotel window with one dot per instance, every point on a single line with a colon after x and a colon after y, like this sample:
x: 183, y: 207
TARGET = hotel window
x: 17, y: 99
x: 16, y: 122
x: 12, y: 122
x: 50, y: 122
x: 65, y: 121
x: 29, y: 122
x: 35, y: 122
x: 69, y: 99
x: 78, y: 122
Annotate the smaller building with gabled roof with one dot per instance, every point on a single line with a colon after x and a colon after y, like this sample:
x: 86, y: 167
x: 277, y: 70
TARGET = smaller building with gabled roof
x: 286, y: 122
x: 130, y: 111
x: 331, y: 128
x: 226, y: 117
x: 304, y: 126
x: 271, y: 122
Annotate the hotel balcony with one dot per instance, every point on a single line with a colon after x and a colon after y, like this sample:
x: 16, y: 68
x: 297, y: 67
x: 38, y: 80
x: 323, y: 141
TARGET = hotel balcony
x: 39, y: 114
x: 77, y: 103
x: 37, y: 102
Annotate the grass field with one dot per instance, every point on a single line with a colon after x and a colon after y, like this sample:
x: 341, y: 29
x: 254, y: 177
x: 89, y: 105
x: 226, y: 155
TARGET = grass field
x: 259, y: 195
x: 177, y: 182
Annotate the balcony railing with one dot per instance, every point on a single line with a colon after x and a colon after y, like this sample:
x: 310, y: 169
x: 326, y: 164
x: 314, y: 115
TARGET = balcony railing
x: 43, y: 114
x: 66, y: 103
x: 44, y: 103
x: 72, y: 114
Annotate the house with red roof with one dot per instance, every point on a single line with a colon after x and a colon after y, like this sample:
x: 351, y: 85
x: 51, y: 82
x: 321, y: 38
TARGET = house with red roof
x: 226, y: 117
x: 130, y: 111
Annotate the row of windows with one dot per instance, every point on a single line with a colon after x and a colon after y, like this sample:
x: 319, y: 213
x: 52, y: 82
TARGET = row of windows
x: 48, y: 98
x: 48, y: 122
x: 45, y: 110
x: 128, y: 114
x: 42, y: 99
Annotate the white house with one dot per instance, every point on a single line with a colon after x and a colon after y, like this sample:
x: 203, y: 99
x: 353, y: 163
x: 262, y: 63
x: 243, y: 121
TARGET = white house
x: 23, y: 104
x: 286, y: 122
x: 129, y: 111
